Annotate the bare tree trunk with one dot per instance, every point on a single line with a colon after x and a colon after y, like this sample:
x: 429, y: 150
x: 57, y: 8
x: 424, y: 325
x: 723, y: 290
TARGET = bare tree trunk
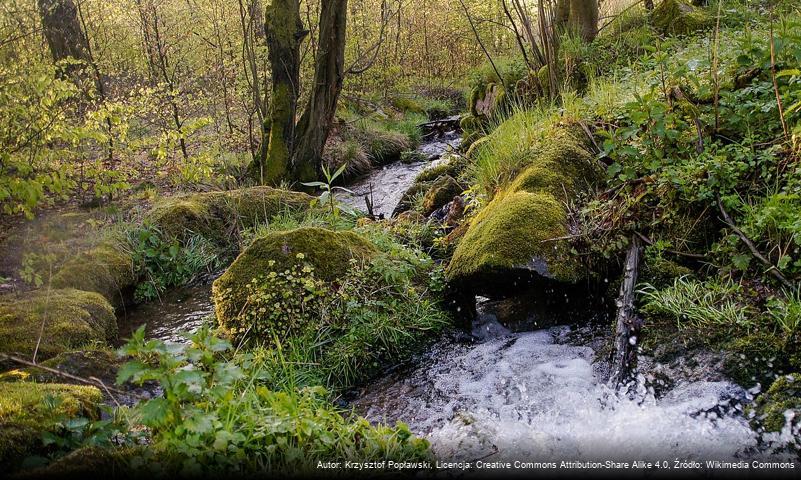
x: 628, y: 323
x: 62, y: 30
x: 584, y: 18
x: 329, y: 75
x: 285, y: 32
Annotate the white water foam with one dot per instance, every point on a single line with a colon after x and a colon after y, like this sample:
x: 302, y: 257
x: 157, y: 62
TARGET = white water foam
x: 523, y: 396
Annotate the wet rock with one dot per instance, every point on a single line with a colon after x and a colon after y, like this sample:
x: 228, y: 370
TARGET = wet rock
x: 71, y: 319
x: 780, y: 404
x: 525, y: 227
x: 329, y: 252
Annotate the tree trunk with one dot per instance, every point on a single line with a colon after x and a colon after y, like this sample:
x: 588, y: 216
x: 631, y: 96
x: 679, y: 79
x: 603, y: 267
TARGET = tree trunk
x: 579, y: 16
x: 285, y: 32
x: 628, y: 323
x: 329, y: 74
x: 62, y: 30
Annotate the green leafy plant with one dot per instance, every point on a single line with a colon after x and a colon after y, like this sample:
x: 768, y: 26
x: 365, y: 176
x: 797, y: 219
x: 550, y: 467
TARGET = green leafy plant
x: 218, y: 415
x: 328, y: 196
x: 167, y: 262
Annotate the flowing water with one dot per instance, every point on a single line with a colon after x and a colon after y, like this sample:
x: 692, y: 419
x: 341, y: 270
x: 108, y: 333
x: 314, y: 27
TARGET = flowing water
x: 542, y: 396
x: 510, y: 394
x: 387, y: 185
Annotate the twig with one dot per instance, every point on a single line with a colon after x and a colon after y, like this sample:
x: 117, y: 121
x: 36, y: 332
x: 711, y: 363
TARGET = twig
x: 94, y: 381
x: 648, y: 241
x: 748, y: 243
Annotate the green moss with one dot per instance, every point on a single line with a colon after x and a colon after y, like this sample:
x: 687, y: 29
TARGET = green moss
x: 72, y: 319
x: 441, y: 192
x: 544, y: 80
x: 518, y: 227
x: 27, y: 409
x: 782, y: 397
x: 661, y: 272
x: 106, y: 269
x: 328, y: 251
x: 382, y: 146
x: 753, y: 359
x: 217, y: 214
x: 470, y: 123
x: 515, y: 231
x: 91, y: 462
x: 407, y: 104
x: 677, y: 17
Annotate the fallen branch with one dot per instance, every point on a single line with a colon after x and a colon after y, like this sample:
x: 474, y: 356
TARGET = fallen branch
x: 628, y: 323
x: 772, y: 269
x: 94, y: 381
x: 697, y: 256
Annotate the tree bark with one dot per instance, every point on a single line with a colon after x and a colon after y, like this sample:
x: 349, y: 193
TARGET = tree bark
x: 628, y: 323
x: 62, y: 30
x: 329, y: 75
x: 579, y: 17
x: 284, y: 34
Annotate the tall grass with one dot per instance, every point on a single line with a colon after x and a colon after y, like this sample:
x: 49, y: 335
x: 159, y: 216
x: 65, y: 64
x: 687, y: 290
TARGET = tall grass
x: 700, y: 305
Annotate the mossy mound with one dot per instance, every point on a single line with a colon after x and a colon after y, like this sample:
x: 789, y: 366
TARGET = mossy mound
x: 107, y: 269
x: 783, y: 397
x: 27, y: 409
x: 524, y: 226
x: 215, y: 214
x: 383, y: 146
x: 441, y: 192
x: 677, y: 17
x: 72, y: 319
x: 329, y: 252
x: 755, y: 358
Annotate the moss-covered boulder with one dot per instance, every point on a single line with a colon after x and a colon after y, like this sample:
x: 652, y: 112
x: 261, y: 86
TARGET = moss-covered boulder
x: 525, y: 225
x: 678, y: 17
x: 28, y: 409
x: 329, y: 252
x: 217, y: 214
x: 440, y: 193
x: 67, y: 319
x: 782, y: 400
x: 97, y: 362
x: 107, y: 269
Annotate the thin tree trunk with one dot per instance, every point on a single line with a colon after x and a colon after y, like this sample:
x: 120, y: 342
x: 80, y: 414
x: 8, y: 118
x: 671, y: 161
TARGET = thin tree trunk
x: 628, y: 323
x: 284, y: 35
x: 329, y: 75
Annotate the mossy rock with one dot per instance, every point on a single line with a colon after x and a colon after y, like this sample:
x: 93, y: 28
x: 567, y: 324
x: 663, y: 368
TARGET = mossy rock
x: 756, y: 358
x: 329, y: 252
x: 383, y: 146
x: 107, y: 269
x: 406, y: 104
x: 524, y: 226
x: 783, y: 397
x: 28, y: 409
x: 441, y: 192
x: 72, y: 319
x: 677, y: 17
x: 661, y: 272
x: 216, y: 214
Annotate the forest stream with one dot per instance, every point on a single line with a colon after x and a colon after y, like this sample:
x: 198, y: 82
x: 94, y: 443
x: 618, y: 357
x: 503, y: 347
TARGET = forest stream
x: 535, y: 389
